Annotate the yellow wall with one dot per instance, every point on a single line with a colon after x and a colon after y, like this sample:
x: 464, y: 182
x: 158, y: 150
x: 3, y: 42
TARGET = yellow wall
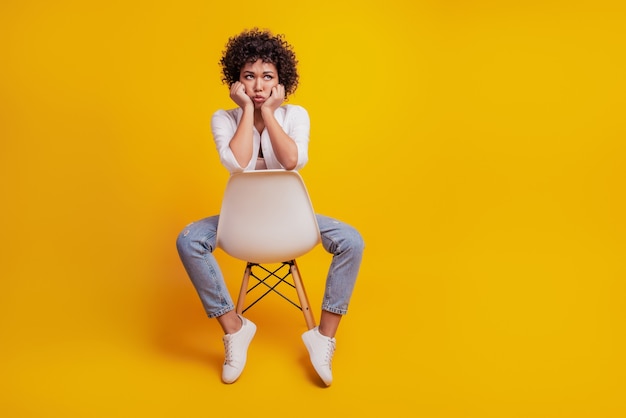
x: 477, y: 145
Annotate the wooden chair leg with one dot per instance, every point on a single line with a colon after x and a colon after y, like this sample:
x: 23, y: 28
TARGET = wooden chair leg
x: 241, y: 300
x: 304, y: 300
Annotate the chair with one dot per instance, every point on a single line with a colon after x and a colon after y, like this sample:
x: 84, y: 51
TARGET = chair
x: 267, y: 218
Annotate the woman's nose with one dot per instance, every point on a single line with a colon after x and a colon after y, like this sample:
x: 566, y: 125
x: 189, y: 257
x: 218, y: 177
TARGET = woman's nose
x: 258, y: 85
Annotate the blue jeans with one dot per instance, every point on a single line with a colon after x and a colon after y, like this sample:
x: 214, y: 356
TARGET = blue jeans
x: 196, y: 243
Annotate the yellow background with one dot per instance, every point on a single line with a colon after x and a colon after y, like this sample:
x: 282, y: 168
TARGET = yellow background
x: 477, y: 145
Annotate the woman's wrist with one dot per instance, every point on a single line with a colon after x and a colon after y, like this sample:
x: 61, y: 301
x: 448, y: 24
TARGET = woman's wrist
x: 267, y: 112
x: 247, y: 107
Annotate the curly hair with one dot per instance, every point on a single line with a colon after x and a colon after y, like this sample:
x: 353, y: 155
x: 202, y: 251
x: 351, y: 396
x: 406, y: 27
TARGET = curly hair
x: 254, y: 44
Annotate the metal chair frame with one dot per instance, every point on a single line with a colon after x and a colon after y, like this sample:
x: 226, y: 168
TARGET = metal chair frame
x: 282, y: 279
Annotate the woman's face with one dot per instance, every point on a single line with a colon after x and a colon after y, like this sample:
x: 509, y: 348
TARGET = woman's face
x: 258, y: 78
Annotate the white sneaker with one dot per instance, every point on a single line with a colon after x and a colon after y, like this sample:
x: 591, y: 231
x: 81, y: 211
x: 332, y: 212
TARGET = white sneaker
x: 321, y: 350
x: 236, y: 350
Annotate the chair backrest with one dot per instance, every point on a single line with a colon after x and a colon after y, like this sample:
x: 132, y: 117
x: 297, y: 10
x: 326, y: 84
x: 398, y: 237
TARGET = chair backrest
x: 267, y: 217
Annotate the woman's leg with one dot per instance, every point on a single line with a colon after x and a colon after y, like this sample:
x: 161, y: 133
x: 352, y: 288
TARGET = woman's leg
x: 346, y: 245
x: 195, y: 246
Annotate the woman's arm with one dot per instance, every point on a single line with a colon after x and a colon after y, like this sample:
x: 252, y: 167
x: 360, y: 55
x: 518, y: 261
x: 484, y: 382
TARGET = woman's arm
x: 284, y: 146
x: 241, y: 142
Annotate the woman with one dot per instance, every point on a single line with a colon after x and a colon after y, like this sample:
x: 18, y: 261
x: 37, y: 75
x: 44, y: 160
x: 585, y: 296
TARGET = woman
x: 264, y: 133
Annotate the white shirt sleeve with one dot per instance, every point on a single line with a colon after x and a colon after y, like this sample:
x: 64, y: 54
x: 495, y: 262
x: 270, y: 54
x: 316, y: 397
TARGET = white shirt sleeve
x: 223, y: 125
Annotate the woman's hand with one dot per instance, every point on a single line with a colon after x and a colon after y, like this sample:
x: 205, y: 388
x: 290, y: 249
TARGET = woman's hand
x: 276, y: 99
x: 239, y: 96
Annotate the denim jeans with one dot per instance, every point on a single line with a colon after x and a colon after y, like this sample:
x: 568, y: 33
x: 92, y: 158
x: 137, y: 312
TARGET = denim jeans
x: 196, y: 243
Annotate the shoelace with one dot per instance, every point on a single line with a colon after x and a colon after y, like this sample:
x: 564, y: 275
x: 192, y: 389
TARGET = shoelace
x: 228, y: 351
x: 330, y: 351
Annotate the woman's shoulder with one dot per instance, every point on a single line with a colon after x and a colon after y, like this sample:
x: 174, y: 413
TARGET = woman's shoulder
x: 293, y: 108
x: 228, y: 117
x: 294, y: 111
x: 232, y: 113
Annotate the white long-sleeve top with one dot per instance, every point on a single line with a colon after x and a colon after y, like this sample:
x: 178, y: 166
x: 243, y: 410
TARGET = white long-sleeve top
x: 293, y: 119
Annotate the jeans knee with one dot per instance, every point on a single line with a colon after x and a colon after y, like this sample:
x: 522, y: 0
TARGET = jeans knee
x: 358, y: 244
x: 353, y: 241
x: 195, y: 238
x: 183, y: 241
